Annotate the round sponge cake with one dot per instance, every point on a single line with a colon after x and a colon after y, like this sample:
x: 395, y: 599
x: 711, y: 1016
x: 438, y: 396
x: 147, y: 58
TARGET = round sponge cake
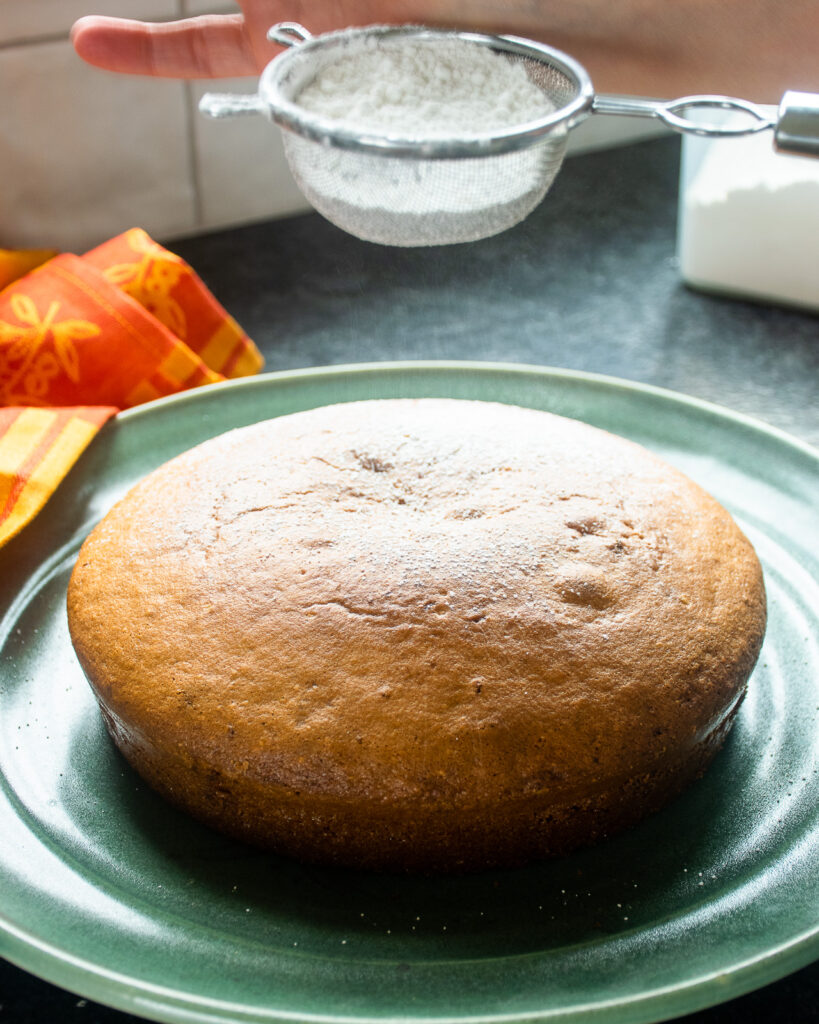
x: 418, y: 634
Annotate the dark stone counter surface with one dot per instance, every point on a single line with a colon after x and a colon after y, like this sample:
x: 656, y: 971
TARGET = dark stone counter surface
x: 588, y: 282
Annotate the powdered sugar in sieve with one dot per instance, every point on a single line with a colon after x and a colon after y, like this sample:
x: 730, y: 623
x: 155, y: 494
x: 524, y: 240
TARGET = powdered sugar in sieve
x: 434, y: 90
x: 431, y: 89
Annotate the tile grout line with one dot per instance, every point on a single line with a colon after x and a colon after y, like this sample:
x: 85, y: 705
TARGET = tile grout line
x: 33, y: 40
x: 191, y: 111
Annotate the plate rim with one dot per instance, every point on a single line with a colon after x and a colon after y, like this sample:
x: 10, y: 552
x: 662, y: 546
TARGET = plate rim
x: 475, y: 365
x: 181, y: 1008
x: 130, y: 995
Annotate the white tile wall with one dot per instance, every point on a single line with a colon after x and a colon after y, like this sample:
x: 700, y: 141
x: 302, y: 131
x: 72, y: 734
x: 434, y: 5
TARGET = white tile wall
x: 85, y: 153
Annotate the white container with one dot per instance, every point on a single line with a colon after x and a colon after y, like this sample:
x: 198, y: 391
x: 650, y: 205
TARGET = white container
x: 749, y: 220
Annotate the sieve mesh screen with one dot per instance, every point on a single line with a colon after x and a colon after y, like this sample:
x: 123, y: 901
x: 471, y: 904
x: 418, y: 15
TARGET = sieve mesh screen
x: 404, y: 202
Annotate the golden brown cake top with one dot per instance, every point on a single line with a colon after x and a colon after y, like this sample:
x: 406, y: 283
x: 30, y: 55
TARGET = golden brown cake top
x: 422, y: 600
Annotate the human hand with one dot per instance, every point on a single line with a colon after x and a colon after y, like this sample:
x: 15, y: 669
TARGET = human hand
x: 641, y: 47
x: 223, y: 46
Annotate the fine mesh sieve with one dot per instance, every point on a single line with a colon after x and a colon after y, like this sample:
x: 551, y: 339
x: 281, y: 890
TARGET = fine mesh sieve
x: 420, y: 192
x: 411, y: 191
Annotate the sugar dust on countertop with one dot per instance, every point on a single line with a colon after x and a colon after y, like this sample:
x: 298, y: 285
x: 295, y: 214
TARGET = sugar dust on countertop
x: 426, y: 89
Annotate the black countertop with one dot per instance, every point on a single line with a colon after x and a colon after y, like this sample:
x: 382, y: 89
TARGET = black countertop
x: 588, y: 282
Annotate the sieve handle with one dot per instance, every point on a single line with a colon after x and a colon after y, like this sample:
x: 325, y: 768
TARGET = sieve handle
x: 795, y: 127
x: 231, y: 104
x: 671, y: 113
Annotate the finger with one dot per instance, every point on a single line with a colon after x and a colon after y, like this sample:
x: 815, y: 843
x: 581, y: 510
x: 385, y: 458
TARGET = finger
x: 211, y: 46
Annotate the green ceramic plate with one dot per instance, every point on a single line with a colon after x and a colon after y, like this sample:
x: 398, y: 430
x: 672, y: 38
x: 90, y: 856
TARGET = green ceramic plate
x: 107, y: 891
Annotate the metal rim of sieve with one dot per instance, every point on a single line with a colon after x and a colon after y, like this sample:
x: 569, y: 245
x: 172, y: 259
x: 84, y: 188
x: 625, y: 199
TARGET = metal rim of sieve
x: 275, y: 88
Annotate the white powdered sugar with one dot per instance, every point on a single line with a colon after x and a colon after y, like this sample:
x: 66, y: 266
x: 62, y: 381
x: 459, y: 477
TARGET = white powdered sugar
x: 426, y: 90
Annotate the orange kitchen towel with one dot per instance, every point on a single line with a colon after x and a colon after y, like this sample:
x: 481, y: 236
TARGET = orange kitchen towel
x: 37, y: 448
x: 81, y: 337
x: 167, y: 287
